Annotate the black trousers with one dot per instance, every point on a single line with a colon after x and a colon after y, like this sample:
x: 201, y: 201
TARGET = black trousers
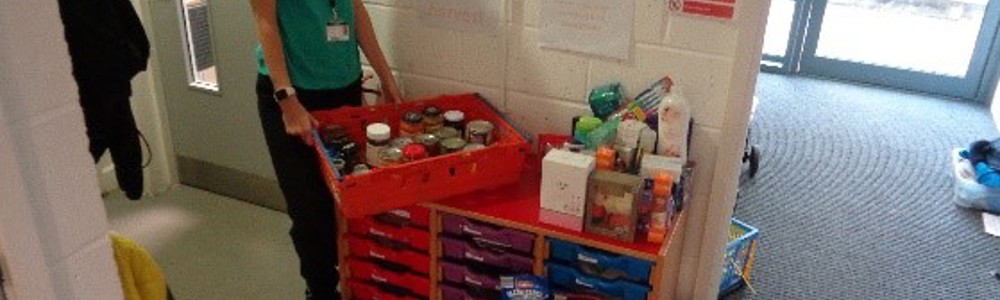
x: 111, y: 127
x: 310, y: 204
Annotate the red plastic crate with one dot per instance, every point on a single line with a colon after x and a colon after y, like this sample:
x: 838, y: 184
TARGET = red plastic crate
x: 412, y: 237
x: 365, y: 291
x: 366, y: 271
x: 425, y: 180
x: 411, y: 215
x: 364, y: 248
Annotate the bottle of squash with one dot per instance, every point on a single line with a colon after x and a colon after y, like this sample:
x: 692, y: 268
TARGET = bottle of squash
x: 674, y: 124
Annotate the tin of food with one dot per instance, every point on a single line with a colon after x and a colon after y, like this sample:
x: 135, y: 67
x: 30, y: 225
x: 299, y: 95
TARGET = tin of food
x: 391, y: 156
x: 360, y: 169
x: 445, y: 133
x: 430, y: 142
x: 400, y: 142
x: 454, y: 119
x: 479, y: 132
x: 473, y: 146
x: 452, y: 145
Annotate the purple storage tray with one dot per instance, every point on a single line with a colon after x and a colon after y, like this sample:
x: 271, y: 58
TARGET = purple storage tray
x: 459, y: 274
x: 462, y: 250
x: 449, y: 292
x: 505, y: 238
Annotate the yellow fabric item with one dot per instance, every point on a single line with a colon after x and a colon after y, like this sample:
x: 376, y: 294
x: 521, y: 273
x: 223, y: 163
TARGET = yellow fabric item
x: 141, y: 277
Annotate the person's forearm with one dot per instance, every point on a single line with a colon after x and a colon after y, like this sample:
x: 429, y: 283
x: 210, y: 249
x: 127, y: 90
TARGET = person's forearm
x: 369, y: 43
x: 265, y: 12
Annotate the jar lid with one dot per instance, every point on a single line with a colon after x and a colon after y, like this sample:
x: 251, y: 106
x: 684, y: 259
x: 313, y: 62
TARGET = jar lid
x: 454, y: 143
x: 474, y: 146
x: 400, y: 142
x: 426, y: 139
x: 391, y: 154
x: 413, y: 117
x: 415, y: 151
x: 481, y: 126
x: 454, y: 116
x: 445, y: 133
x: 378, y: 132
x: 432, y: 111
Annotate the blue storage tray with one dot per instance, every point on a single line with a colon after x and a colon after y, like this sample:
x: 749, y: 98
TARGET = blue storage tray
x: 565, y: 277
x: 740, y: 252
x: 600, y: 263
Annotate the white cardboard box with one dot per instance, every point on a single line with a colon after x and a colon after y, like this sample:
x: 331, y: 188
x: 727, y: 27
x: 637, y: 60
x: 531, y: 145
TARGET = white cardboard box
x: 564, y: 188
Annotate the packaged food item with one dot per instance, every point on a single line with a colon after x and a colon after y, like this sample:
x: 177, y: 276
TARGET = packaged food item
x: 413, y: 152
x: 584, y: 126
x: 445, y: 133
x: 470, y: 147
x: 454, y: 119
x: 646, y: 103
x: 605, y: 158
x: 378, y: 139
x: 360, y: 169
x: 674, y: 117
x: 525, y: 287
x: 479, y: 132
x: 400, y: 142
x: 660, y: 213
x: 411, y: 125
x: 564, y: 188
x: 452, y: 145
x: 333, y: 135
x: 612, y: 208
x: 432, y: 118
x: 390, y: 156
x: 431, y: 143
x: 604, y: 100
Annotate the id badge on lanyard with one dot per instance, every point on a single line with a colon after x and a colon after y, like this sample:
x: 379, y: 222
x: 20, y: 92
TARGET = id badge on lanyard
x: 337, y: 30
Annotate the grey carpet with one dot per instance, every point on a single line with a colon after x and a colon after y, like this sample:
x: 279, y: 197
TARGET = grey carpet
x: 854, y: 196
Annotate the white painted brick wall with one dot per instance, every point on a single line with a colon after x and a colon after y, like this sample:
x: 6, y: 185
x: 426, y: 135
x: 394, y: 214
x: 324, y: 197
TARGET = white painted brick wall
x: 541, y: 89
x: 53, y: 220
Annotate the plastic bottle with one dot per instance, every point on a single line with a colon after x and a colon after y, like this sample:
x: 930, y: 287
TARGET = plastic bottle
x: 674, y: 124
x: 659, y: 220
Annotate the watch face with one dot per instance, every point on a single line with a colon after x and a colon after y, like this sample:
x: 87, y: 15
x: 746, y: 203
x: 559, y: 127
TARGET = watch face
x: 280, y: 95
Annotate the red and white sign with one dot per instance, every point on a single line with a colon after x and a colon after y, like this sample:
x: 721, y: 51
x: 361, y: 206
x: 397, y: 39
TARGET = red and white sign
x: 720, y: 9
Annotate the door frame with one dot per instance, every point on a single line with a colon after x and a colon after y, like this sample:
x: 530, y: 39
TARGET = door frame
x: 978, y: 84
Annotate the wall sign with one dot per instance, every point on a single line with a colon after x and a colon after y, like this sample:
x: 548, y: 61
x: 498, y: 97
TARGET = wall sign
x: 461, y: 15
x: 720, y: 9
x: 598, y: 27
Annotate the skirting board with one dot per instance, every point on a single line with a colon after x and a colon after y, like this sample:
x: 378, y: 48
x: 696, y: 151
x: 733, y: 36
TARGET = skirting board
x: 229, y: 182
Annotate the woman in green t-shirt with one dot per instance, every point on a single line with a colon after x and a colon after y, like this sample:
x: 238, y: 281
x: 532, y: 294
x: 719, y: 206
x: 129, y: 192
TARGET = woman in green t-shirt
x: 309, y: 60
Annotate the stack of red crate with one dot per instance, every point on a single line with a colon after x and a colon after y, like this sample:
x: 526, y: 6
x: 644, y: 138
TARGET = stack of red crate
x: 389, y: 255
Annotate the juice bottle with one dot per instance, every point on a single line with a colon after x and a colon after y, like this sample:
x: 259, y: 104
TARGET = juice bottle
x: 605, y: 158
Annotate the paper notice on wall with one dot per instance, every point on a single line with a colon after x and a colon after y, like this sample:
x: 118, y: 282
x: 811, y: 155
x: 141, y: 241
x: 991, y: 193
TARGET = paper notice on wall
x: 598, y: 27
x: 461, y: 15
x: 719, y: 9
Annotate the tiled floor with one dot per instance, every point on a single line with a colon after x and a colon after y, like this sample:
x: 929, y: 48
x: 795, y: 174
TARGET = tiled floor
x: 212, y: 247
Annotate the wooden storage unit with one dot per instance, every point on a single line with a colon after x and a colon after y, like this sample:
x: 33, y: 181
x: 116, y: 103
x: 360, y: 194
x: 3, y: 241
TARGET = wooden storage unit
x: 516, y: 207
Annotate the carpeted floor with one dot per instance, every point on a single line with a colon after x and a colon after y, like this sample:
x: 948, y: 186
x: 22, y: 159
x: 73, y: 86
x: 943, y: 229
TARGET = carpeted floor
x: 854, y: 196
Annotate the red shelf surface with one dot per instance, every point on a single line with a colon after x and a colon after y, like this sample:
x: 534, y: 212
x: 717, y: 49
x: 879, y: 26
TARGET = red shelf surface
x: 519, y: 204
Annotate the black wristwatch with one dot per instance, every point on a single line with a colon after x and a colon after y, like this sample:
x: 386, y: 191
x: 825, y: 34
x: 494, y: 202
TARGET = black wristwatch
x: 283, y: 93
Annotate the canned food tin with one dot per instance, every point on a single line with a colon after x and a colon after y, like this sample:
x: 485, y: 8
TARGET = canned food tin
x: 471, y: 147
x: 445, y: 133
x: 430, y: 142
x: 400, y: 142
x: 391, y: 156
x: 452, y: 145
x: 479, y: 132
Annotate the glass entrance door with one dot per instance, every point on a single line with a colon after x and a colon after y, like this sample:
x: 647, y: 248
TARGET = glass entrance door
x: 933, y: 46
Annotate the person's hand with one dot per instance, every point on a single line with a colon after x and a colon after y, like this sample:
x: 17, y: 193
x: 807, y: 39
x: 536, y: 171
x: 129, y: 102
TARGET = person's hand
x: 390, y: 92
x: 298, y: 121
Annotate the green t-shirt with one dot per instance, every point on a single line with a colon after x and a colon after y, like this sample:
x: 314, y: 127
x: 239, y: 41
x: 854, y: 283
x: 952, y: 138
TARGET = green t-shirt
x: 313, y: 62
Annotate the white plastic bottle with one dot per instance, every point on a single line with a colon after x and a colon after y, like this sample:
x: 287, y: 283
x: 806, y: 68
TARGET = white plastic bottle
x: 674, y: 124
